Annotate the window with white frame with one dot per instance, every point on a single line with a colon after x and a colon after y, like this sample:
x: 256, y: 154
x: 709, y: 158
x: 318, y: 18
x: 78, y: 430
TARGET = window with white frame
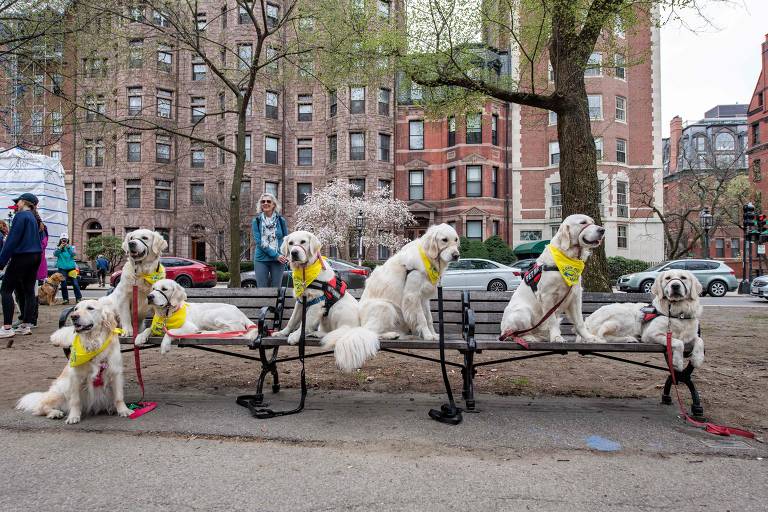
x: 621, y: 151
x: 552, y: 117
x: 305, y: 107
x: 164, y: 103
x: 199, y: 70
x: 162, y: 149
x: 134, y: 147
x: 271, y: 187
x: 135, y: 53
x: 701, y: 143
x: 271, y: 105
x: 735, y: 247
x: 133, y: 193
x: 164, y: 58
x: 475, y: 230
x: 554, y: 153
x: 622, y: 195
x: 357, y: 146
x: 197, y: 158
x: 384, y: 146
x: 474, y: 128
x: 303, y: 191
x: 451, y: 182
x: 621, y: 236
x: 594, y: 65
x: 556, y: 199
x: 599, y: 148
x: 163, y: 194
x: 270, y: 149
x: 621, y: 109
x: 550, y: 72
x: 56, y: 127
x: 416, y: 185
x: 245, y: 55
x: 595, y: 106
x: 474, y: 181
x: 384, y: 95
x: 452, y: 131
x: 357, y: 100
x: 93, y: 194
x: 383, y: 11
x: 530, y: 235
x: 304, y: 152
x: 197, y: 108
x: 273, y: 15
x: 494, y: 182
x: 416, y: 134
x: 725, y: 142
x: 248, y: 147
x: 719, y: 247
x: 620, y: 66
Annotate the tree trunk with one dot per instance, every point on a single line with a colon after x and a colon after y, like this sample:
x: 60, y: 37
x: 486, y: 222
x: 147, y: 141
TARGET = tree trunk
x: 234, y: 200
x: 578, y: 174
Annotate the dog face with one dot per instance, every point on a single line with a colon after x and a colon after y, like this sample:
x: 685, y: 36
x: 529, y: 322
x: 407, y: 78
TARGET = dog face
x: 56, y: 278
x: 88, y: 314
x: 301, y: 247
x: 144, y: 243
x: 676, y: 285
x: 166, y: 293
x: 578, y: 230
x: 441, y: 242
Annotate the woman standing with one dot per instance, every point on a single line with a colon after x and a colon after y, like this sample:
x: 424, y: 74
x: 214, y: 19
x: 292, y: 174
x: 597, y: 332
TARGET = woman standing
x: 65, y: 260
x: 3, y: 232
x: 269, y: 228
x: 22, y: 253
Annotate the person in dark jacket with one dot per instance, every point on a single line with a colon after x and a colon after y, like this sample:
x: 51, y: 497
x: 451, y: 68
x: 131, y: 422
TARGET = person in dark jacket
x: 20, y: 257
x: 3, y: 233
x: 102, y: 267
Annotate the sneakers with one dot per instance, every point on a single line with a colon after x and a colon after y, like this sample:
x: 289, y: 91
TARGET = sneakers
x: 23, y: 330
x: 6, y: 333
x: 65, y: 301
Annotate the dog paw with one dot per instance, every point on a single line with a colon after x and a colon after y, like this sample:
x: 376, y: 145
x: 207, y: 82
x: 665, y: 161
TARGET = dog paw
x: 294, y: 338
x: 123, y: 411
x: 72, y: 419
x: 697, y: 358
x: 427, y: 335
x: 591, y: 339
x: 128, y: 331
x: 141, y: 339
x: 678, y: 362
x: 389, y: 336
x: 55, y: 414
x: 281, y: 332
x: 557, y: 339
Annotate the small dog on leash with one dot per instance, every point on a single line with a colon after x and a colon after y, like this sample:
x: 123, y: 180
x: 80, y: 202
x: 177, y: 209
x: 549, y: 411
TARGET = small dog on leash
x: 46, y: 294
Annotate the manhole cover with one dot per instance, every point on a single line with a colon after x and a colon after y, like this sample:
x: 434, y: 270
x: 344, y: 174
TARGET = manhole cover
x: 734, y: 444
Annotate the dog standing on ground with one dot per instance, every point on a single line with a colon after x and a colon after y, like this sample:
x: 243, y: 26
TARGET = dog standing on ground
x: 396, y: 297
x: 577, y: 236
x: 675, y: 307
x: 168, y: 300
x: 92, y: 381
x: 331, y: 310
x: 46, y: 293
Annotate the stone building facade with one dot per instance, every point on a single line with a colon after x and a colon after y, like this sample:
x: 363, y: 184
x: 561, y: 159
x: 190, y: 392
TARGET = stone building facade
x: 758, y: 128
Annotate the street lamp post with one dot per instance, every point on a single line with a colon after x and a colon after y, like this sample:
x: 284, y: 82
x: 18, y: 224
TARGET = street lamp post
x: 706, y: 220
x: 360, y: 223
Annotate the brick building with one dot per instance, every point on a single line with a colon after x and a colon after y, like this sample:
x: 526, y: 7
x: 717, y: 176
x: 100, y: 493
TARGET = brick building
x: 758, y: 127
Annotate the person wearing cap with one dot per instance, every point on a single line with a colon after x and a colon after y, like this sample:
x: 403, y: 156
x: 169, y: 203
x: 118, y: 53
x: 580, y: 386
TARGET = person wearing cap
x: 20, y: 257
x: 65, y: 260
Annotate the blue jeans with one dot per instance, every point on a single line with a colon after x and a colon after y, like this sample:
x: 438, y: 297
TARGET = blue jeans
x: 269, y: 274
x: 75, y: 286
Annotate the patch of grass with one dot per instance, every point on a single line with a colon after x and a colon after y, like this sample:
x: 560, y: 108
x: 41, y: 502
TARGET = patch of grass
x: 361, y: 377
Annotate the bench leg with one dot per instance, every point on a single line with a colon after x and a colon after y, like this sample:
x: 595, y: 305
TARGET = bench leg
x: 268, y: 366
x: 684, y: 377
x: 468, y: 373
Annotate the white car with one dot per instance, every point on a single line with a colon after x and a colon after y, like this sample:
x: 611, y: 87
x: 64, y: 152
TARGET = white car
x: 479, y: 274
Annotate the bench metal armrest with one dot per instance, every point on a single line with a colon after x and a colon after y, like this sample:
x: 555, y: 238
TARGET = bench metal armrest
x: 261, y: 323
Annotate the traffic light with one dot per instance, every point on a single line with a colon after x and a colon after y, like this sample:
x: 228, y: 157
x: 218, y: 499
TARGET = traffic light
x: 762, y: 227
x: 750, y: 222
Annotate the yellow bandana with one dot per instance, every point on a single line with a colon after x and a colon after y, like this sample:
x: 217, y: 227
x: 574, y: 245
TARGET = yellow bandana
x: 302, y: 278
x: 570, y: 268
x: 172, y: 321
x: 155, y: 276
x: 78, y: 356
x: 433, y: 273
x: 74, y: 273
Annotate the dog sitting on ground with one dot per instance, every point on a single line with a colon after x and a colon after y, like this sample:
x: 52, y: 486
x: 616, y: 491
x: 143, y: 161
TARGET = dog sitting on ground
x: 331, y: 310
x: 675, y: 307
x: 92, y: 381
x: 46, y: 293
x: 168, y: 301
x: 548, y: 282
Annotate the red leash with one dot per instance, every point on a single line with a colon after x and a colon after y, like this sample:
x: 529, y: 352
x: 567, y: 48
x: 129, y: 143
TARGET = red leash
x: 515, y: 335
x: 712, y: 428
x: 141, y: 407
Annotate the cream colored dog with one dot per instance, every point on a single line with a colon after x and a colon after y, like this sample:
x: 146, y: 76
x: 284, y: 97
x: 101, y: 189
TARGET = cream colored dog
x: 168, y: 297
x: 576, y: 237
x: 396, y: 296
x: 338, y: 323
x: 92, y: 387
x: 677, y: 307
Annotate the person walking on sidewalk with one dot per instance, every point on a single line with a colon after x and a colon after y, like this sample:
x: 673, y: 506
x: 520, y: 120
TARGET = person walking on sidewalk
x: 102, y: 266
x: 21, y: 253
x: 65, y: 260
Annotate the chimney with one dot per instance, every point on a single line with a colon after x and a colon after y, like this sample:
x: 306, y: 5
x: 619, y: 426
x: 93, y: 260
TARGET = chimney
x: 675, y: 133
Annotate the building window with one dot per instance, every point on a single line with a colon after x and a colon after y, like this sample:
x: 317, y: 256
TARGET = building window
x: 37, y: 122
x: 333, y: 148
x: 599, y: 148
x: 474, y: 129
x: 270, y: 149
x: 554, y: 153
x: 719, y: 247
x: 245, y: 192
x: 201, y: 20
x: 384, y: 185
x: 474, y: 181
x: 222, y: 105
x: 245, y: 56
x: 621, y: 109
x: 451, y: 131
x: 93, y: 194
x: 271, y: 105
x: 475, y: 230
x: 248, y: 147
x: 56, y: 154
x: 621, y: 151
x: 384, y: 95
x: 303, y: 191
x: 357, y: 100
x: 222, y: 154
x: 243, y: 12
x: 162, y: 194
x: 595, y: 106
x: 94, y: 152
x: 164, y: 58
x: 725, y: 142
x: 333, y: 103
x: 451, y: 182
x: 556, y: 210
x: 550, y: 72
x: 163, y: 149
x: 530, y: 235
x: 495, y: 182
x: 495, y: 129
x: 305, y: 107
x: 735, y: 248
x: 416, y: 185
x: 701, y: 144
x: 496, y: 228
x: 273, y: 15
x: 197, y: 109
x: 756, y: 134
x: 133, y: 193
x: 136, y: 53
x: 622, y: 193
x: 196, y: 193
x: 273, y: 63
x: 159, y: 19
x: 357, y: 146
x: 304, y: 152
x: 271, y: 187
x: 416, y: 134
x: 383, y: 11
x: 134, y: 147
x: 164, y: 103
x: 197, y: 158
x: 358, y: 185
x: 384, y: 145
x: 552, y: 118
x: 199, y: 70
x: 621, y: 236
x: 594, y: 65
x: 621, y: 69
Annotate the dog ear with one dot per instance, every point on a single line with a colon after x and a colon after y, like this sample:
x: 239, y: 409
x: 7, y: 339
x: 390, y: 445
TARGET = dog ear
x: 562, y: 239
x: 126, y: 240
x: 159, y: 244
x: 429, y: 242
x: 656, y: 289
x: 179, y: 295
x: 314, y: 245
x: 696, y: 287
x: 284, y: 246
x: 110, y: 318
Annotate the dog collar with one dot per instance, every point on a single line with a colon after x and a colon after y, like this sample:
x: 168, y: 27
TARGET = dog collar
x: 173, y: 321
x: 79, y: 355
x: 570, y: 268
x: 433, y: 273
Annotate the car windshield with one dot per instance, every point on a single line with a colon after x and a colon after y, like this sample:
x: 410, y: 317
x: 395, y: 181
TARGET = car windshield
x: 656, y: 267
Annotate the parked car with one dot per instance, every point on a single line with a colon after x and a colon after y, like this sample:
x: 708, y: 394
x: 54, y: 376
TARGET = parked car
x: 759, y: 287
x: 354, y: 275
x: 479, y: 274
x: 716, y: 277
x: 188, y: 273
x: 87, y: 275
x: 524, y: 265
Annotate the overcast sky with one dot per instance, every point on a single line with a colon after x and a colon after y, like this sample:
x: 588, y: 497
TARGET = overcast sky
x: 713, y: 65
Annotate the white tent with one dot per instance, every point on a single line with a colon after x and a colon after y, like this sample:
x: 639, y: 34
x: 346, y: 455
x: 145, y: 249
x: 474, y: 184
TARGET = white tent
x: 22, y: 171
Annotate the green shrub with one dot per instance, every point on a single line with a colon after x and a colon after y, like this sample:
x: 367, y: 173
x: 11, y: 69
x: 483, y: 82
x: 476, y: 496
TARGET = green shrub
x: 370, y: 264
x: 499, y: 251
x: 222, y: 276
x: 618, y: 266
x: 245, y: 266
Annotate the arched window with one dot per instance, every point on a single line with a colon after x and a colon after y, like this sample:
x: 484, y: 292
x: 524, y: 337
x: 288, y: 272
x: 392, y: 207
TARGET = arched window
x: 725, y: 142
x: 92, y: 229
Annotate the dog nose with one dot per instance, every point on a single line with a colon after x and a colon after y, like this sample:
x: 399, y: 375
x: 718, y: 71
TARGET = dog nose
x: 75, y: 317
x: 455, y: 256
x: 676, y: 286
x: 601, y: 230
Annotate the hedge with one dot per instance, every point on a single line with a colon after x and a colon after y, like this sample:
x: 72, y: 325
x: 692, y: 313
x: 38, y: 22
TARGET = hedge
x: 222, y: 276
x: 245, y: 266
x: 618, y: 266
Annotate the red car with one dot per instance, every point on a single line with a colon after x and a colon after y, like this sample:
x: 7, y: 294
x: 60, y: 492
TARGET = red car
x: 188, y: 273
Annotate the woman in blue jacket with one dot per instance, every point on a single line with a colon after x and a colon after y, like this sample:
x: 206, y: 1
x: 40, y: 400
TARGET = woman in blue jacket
x: 269, y: 228
x: 21, y: 253
x: 65, y: 260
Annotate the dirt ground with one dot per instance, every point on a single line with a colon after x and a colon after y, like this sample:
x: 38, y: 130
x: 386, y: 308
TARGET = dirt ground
x: 733, y: 381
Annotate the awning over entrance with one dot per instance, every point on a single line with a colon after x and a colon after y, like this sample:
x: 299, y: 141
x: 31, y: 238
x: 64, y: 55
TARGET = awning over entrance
x: 530, y: 249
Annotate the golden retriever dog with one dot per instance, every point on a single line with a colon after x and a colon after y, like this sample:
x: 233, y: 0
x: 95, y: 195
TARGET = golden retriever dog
x: 85, y: 386
x: 143, y: 248
x: 396, y: 296
x: 168, y: 301
x: 577, y: 236
x: 46, y: 293
x: 675, y: 306
x: 331, y: 309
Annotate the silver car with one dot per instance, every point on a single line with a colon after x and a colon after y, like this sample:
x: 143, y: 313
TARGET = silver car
x: 716, y: 277
x: 759, y: 287
x: 479, y: 274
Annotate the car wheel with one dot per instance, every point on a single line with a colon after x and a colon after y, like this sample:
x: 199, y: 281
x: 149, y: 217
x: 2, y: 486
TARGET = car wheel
x: 184, y: 281
x: 249, y: 284
x: 717, y: 289
x: 497, y: 285
x: 646, y: 286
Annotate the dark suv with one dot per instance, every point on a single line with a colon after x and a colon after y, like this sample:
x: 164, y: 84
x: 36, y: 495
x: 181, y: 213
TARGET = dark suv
x: 87, y: 277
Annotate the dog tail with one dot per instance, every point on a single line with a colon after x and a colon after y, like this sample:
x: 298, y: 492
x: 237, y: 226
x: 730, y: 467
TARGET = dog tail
x: 30, y: 402
x: 352, y: 346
